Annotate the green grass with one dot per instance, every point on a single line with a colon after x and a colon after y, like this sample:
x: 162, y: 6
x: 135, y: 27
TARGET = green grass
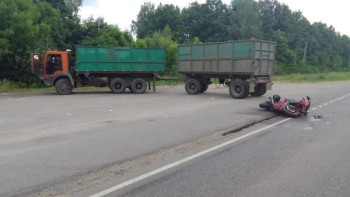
x: 170, y: 83
x: 314, y: 78
x: 7, y: 86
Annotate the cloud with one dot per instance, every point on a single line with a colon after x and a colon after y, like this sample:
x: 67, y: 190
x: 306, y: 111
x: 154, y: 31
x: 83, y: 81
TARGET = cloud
x: 89, y: 3
x: 333, y: 13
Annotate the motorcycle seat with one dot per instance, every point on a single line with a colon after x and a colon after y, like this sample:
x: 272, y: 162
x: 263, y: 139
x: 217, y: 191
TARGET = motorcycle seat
x: 293, y: 101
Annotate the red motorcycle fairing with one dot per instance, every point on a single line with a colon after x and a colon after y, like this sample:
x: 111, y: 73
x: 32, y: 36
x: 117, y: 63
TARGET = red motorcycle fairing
x: 289, y: 107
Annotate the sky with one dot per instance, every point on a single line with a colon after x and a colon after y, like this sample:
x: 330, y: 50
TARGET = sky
x: 122, y: 12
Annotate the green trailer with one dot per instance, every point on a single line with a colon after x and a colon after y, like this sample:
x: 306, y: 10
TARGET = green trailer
x: 117, y: 67
x: 245, y: 66
x: 121, y: 60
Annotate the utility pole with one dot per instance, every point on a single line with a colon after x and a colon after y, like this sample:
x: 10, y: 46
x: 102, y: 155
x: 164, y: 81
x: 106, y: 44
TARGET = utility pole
x: 307, y: 39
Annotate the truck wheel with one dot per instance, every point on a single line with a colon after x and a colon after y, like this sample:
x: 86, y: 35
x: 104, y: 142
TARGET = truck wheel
x: 204, y: 87
x: 247, y: 88
x: 138, y: 86
x: 117, y: 85
x: 259, y: 90
x: 63, y: 86
x: 193, y: 86
x: 238, y: 89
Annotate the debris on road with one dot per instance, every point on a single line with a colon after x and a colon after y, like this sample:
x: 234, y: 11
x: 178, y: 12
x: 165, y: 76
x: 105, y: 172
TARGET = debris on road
x: 317, y: 116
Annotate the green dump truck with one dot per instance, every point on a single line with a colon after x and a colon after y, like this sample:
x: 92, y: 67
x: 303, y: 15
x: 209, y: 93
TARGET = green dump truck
x: 117, y: 67
x: 245, y: 66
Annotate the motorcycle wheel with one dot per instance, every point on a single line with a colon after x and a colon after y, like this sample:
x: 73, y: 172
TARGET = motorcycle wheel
x: 290, y: 110
x: 265, y: 105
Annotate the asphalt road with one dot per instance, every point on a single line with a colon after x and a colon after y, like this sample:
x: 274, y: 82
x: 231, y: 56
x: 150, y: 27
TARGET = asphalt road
x: 301, y: 157
x: 67, y: 145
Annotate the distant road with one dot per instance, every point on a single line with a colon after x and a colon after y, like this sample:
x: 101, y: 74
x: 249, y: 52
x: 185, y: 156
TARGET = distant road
x: 52, y: 144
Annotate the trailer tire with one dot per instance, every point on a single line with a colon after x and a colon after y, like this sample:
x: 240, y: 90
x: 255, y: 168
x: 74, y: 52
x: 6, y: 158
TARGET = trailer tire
x: 138, y: 86
x: 117, y: 85
x: 193, y: 86
x: 259, y: 90
x: 247, y: 88
x: 63, y: 86
x: 238, y: 89
x: 204, y: 87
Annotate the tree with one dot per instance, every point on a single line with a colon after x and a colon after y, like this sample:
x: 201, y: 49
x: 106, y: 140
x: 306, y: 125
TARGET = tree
x: 26, y: 26
x: 246, y: 21
x: 166, y: 15
x: 99, y: 33
x: 286, y: 59
x: 71, y: 22
x: 151, y: 19
x: 163, y: 39
x: 144, y: 25
x: 67, y: 8
x: 206, y: 21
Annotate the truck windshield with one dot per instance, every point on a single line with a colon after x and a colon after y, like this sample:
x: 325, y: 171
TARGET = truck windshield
x: 53, y: 64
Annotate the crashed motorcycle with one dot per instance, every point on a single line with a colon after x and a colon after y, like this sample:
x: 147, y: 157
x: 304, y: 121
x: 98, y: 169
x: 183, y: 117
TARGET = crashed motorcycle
x: 289, y: 107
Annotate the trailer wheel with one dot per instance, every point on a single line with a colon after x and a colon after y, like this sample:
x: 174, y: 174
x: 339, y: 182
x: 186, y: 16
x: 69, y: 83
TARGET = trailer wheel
x: 117, y: 85
x: 247, y: 88
x: 138, y: 86
x: 238, y: 89
x: 63, y: 86
x: 259, y: 90
x: 204, y: 87
x: 193, y: 86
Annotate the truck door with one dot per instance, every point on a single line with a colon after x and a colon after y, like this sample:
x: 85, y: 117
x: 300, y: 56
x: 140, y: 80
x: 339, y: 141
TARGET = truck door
x: 53, y: 64
x: 37, y: 65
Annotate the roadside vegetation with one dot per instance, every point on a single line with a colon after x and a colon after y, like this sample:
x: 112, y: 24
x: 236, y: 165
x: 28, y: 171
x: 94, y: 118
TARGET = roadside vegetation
x: 313, y: 78
x: 7, y: 86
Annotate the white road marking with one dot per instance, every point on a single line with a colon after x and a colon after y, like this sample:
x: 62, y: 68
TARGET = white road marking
x: 172, y: 165
x: 313, y: 108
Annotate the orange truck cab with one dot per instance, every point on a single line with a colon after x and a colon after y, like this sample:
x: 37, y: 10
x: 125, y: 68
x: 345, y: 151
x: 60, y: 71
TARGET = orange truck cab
x: 54, y: 69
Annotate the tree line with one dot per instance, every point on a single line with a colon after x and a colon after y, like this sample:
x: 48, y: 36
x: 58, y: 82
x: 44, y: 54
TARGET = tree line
x: 40, y: 25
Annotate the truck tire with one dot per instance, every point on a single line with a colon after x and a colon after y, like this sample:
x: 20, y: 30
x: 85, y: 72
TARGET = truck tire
x: 204, y: 87
x: 138, y: 86
x: 259, y: 90
x: 238, y: 89
x: 63, y: 86
x: 117, y: 85
x: 193, y: 86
